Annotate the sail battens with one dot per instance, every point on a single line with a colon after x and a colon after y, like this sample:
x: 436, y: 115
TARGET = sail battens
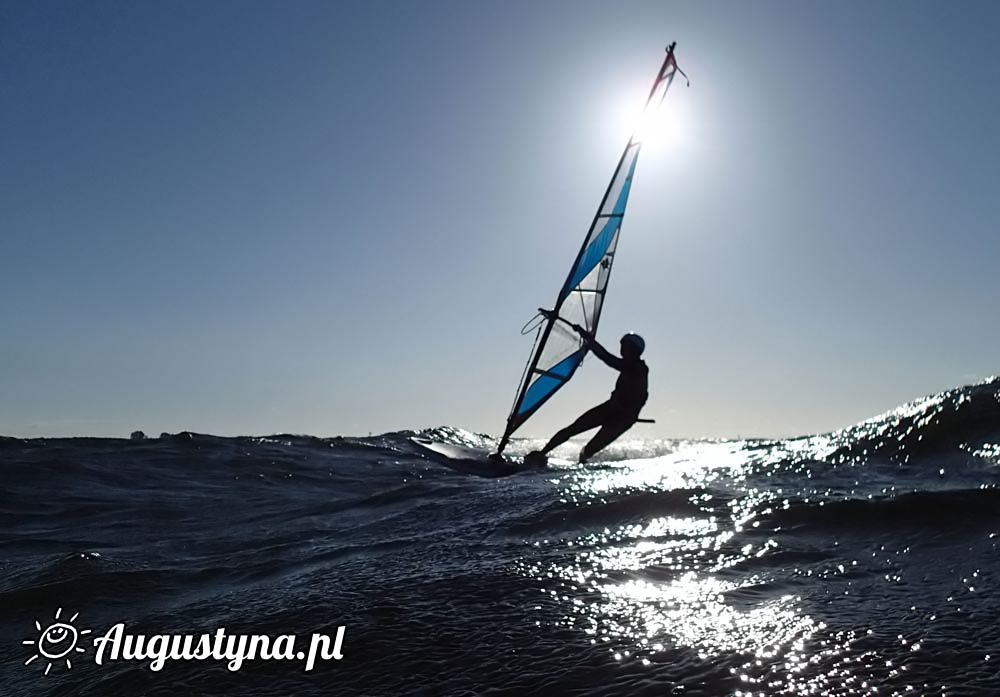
x: 550, y: 374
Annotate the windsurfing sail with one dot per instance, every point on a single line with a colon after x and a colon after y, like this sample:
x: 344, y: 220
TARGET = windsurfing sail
x: 558, y: 349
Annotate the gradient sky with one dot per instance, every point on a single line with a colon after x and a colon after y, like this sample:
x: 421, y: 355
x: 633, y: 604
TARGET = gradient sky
x: 333, y: 217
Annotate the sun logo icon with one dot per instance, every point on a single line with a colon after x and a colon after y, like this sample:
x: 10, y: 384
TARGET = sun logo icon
x: 57, y: 642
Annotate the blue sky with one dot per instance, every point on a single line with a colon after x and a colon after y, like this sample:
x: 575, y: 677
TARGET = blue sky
x: 333, y: 218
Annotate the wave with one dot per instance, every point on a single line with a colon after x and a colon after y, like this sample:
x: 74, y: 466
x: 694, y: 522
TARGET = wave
x: 961, y: 420
x: 936, y: 510
x: 619, y: 509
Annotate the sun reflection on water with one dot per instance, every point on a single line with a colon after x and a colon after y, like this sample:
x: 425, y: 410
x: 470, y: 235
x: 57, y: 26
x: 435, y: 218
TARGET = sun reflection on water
x: 680, y: 573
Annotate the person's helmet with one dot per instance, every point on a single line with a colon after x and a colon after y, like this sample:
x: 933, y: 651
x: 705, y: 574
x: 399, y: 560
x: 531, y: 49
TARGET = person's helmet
x: 635, y: 340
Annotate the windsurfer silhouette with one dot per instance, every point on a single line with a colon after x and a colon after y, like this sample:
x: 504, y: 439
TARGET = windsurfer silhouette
x: 616, y: 415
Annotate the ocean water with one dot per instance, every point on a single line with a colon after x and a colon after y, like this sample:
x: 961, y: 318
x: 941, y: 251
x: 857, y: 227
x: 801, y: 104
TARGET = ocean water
x: 858, y: 562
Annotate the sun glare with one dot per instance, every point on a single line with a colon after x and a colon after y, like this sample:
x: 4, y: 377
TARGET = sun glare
x: 662, y: 126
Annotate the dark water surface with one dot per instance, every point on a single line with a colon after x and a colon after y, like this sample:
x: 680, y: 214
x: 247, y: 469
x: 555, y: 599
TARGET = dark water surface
x: 859, y: 562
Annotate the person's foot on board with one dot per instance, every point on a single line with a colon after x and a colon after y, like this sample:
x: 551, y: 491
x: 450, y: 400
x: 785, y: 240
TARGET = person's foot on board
x: 536, y: 458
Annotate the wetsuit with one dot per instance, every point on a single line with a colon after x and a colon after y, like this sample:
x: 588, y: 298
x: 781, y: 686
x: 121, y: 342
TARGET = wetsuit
x: 614, y: 416
x: 619, y: 413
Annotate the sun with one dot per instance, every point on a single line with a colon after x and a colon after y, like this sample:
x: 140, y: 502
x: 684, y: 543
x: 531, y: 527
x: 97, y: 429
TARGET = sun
x: 666, y: 127
x: 657, y: 126
x: 57, y: 642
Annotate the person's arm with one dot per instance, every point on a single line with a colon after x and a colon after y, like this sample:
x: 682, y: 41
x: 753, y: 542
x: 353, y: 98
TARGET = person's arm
x: 609, y: 358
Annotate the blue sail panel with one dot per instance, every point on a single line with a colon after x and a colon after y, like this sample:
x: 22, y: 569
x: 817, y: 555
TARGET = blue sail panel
x: 605, y: 228
x: 545, y: 385
x: 626, y: 187
x: 592, y: 256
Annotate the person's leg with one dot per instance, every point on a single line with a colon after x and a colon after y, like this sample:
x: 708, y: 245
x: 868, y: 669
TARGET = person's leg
x: 604, y: 438
x: 588, y: 420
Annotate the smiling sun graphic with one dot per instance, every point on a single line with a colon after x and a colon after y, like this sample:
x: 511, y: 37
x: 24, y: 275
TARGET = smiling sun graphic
x: 57, y: 642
